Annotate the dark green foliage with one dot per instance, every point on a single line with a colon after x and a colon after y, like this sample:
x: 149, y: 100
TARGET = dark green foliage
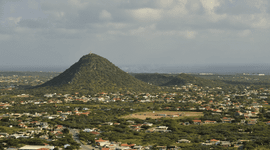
x: 88, y: 137
x: 156, y: 79
x: 93, y: 73
x: 16, y: 142
x: 174, y: 79
x: 67, y: 139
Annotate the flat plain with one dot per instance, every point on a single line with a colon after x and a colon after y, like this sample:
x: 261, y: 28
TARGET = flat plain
x: 160, y: 114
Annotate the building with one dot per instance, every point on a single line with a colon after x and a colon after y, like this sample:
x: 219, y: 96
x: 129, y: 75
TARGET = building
x: 36, y: 147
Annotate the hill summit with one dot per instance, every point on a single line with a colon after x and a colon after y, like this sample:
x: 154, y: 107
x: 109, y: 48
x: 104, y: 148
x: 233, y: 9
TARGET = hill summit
x: 93, y: 73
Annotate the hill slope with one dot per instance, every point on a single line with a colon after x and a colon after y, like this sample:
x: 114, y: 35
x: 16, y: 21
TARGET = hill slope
x: 171, y: 80
x: 93, y: 73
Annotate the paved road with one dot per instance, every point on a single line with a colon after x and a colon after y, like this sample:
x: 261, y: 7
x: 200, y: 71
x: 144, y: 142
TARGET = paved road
x: 75, y: 136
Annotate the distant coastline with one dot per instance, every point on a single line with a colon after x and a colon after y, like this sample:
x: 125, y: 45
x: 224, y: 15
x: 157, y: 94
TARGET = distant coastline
x: 215, y: 69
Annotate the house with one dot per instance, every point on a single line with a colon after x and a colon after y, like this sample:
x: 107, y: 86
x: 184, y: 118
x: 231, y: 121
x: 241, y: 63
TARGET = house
x: 148, y: 124
x: 101, y: 142
x: 227, y: 120
x: 59, y: 127
x: 162, y: 147
x: 44, y: 137
x: 207, y: 144
x: 3, y: 135
x: 162, y: 129
x: 238, y: 113
x: 201, y: 108
x: 224, y: 143
x: 186, y: 123
x: 214, y: 141
x: 242, y: 141
x: 124, y: 145
x: 36, y: 147
x: 95, y: 133
x: 108, y: 123
x: 85, y: 113
x: 183, y: 141
x: 131, y: 122
x: 173, y: 148
x: 197, y: 122
x: 100, y: 98
x: 85, y: 108
x: 163, y: 115
x: 66, y: 145
x: 252, y: 122
x: 87, y: 130
x: 209, y: 122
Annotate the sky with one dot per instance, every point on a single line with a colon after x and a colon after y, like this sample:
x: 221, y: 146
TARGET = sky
x: 56, y: 33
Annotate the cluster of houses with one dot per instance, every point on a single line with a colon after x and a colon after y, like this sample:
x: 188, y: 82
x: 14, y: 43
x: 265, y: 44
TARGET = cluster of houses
x: 107, y: 145
x: 200, y: 99
x: 237, y: 144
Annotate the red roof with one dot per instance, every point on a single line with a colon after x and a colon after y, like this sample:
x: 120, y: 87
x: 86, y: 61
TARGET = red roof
x: 100, y: 140
x: 208, y: 121
x: 96, y: 133
x: 124, y: 145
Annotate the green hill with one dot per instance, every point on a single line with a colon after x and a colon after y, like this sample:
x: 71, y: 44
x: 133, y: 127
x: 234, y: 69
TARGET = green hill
x: 93, y: 73
x: 176, y: 79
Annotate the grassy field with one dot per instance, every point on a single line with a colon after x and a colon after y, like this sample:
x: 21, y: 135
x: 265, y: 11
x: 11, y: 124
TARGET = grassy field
x: 158, y: 114
x: 10, y: 130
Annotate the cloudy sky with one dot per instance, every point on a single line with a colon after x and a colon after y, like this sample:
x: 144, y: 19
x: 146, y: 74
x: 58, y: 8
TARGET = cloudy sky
x: 52, y: 33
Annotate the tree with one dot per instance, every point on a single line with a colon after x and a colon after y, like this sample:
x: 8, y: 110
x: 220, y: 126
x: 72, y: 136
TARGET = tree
x: 248, y: 145
x: 113, y: 137
x: 65, y: 131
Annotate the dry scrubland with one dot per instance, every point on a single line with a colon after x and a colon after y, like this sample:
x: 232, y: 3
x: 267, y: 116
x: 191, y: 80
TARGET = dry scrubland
x: 156, y: 114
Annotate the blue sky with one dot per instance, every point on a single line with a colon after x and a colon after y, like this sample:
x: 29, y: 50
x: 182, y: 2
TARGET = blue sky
x: 49, y: 33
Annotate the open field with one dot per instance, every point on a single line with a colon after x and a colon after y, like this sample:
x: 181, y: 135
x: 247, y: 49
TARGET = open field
x: 160, y: 114
x: 10, y: 130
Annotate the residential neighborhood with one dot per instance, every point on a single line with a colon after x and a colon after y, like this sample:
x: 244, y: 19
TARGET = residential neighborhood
x: 177, y: 117
x: 191, y: 105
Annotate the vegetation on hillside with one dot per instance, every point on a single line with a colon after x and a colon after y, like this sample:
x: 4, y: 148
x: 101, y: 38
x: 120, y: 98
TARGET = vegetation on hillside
x: 176, y: 79
x: 92, y: 74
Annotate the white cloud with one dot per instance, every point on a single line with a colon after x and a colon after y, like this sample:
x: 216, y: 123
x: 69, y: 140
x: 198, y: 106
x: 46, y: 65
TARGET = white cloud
x: 33, y: 4
x: 190, y: 34
x: 165, y: 3
x: 259, y: 4
x: 178, y: 10
x: 147, y: 14
x: 111, y: 25
x: 14, y: 21
x: 244, y: 33
x: 78, y: 3
x: 166, y: 23
x: 216, y: 31
x: 143, y: 31
x: 105, y: 15
x: 4, y: 37
x: 261, y: 21
x: 213, y: 17
x: 195, y: 6
x: 210, y: 5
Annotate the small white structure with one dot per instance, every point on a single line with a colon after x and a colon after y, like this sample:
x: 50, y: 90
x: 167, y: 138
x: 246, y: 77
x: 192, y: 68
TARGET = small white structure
x: 88, y: 130
x: 35, y: 147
